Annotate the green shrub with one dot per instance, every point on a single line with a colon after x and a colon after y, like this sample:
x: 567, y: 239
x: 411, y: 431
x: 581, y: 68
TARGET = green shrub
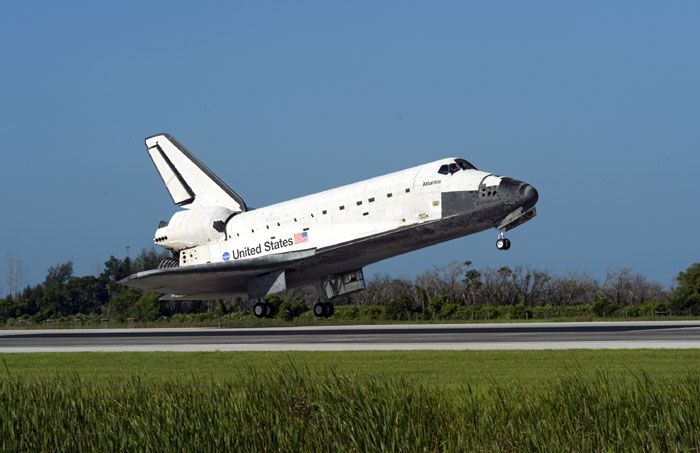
x: 374, y: 312
x: 347, y: 312
x: 147, y: 308
x: 686, y: 297
x: 449, y: 311
x: 435, y: 306
x: 399, y: 309
x: 603, y: 307
x: 291, y: 309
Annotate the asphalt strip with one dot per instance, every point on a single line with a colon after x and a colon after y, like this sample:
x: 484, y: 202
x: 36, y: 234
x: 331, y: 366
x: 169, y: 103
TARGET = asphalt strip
x: 505, y: 346
x: 506, y: 336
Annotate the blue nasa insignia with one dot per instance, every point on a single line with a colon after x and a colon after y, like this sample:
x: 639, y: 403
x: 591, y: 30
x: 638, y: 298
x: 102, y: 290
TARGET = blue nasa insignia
x: 226, y: 256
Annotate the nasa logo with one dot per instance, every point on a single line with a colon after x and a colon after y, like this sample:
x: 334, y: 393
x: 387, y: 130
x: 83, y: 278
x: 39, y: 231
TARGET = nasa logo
x: 226, y: 256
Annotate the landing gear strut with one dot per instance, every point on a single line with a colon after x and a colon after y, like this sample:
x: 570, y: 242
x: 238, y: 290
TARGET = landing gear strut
x: 324, y: 310
x: 262, y: 310
x: 502, y: 243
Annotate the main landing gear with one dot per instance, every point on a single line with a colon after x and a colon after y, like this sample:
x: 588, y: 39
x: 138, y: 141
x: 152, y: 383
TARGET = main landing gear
x: 262, y: 310
x: 502, y: 243
x: 324, y: 310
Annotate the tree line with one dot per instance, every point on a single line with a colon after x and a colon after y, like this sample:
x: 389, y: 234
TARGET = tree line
x: 63, y: 294
x: 452, y: 291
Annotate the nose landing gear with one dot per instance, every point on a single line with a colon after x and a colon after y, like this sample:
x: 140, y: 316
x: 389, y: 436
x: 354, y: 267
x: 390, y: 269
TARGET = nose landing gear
x: 502, y: 243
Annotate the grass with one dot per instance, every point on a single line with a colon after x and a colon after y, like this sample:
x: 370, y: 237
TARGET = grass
x: 294, y: 409
x: 432, y: 368
x: 353, y: 401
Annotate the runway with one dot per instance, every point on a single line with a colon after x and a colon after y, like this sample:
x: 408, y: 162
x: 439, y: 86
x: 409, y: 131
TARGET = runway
x: 588, y: 335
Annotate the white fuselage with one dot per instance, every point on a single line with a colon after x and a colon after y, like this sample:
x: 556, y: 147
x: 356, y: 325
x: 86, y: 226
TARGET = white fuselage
x: 223, y: 249
x: 336, y: 216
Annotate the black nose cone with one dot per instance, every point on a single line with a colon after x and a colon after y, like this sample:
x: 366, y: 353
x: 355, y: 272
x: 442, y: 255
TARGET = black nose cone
x: 518, y: 193
x: 528, y: 195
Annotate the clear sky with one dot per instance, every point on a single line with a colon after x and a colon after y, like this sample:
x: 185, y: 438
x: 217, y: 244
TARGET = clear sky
x: 597, y: 104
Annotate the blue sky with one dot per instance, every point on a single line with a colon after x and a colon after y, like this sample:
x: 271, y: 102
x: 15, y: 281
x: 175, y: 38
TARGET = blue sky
x: 597, y: 104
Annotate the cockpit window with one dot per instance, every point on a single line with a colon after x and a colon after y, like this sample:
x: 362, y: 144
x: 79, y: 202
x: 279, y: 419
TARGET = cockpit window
x: 464, y: 165
x: 460, y: 164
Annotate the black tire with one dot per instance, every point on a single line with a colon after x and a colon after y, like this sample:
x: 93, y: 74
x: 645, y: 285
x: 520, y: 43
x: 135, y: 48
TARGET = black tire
x: 330, y: 309
x: 507, y: 244
x: 319, y: 310
x: 260, y: 310
x: 501, y: 244
x: 269, y: 310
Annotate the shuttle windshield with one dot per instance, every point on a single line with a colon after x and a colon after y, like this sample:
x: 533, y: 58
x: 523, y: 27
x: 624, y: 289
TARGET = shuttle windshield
x: 464, y: 165
x: 459, y: 164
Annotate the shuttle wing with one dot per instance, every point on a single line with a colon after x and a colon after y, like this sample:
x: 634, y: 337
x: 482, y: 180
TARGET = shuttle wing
x: 214, y: 280
x: 190, y: 183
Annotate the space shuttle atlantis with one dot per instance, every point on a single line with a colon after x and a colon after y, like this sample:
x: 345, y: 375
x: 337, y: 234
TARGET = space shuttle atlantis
x: 222, y: 249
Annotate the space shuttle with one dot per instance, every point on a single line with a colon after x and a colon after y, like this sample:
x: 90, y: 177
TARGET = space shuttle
x: 223, y: 249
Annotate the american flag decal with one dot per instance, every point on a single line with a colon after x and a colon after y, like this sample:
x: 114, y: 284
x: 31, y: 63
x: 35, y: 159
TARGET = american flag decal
x: 301, y: 237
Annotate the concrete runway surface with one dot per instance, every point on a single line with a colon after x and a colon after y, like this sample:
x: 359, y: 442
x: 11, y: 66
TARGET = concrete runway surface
x: 575, y: 335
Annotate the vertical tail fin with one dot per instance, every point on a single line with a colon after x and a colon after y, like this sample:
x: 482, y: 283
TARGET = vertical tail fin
x: 190, y: 183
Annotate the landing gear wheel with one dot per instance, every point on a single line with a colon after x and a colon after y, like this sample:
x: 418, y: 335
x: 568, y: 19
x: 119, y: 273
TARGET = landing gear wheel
x: 320, y: 309
x: 269, y: 310
x: 501, y: 244
x: 324, y: 310
x: 261, y: 309
x: 507, y: 244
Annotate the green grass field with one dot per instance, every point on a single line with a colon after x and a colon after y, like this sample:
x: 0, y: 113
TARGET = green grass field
x: 433, y: 368
x: 352, y: 401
